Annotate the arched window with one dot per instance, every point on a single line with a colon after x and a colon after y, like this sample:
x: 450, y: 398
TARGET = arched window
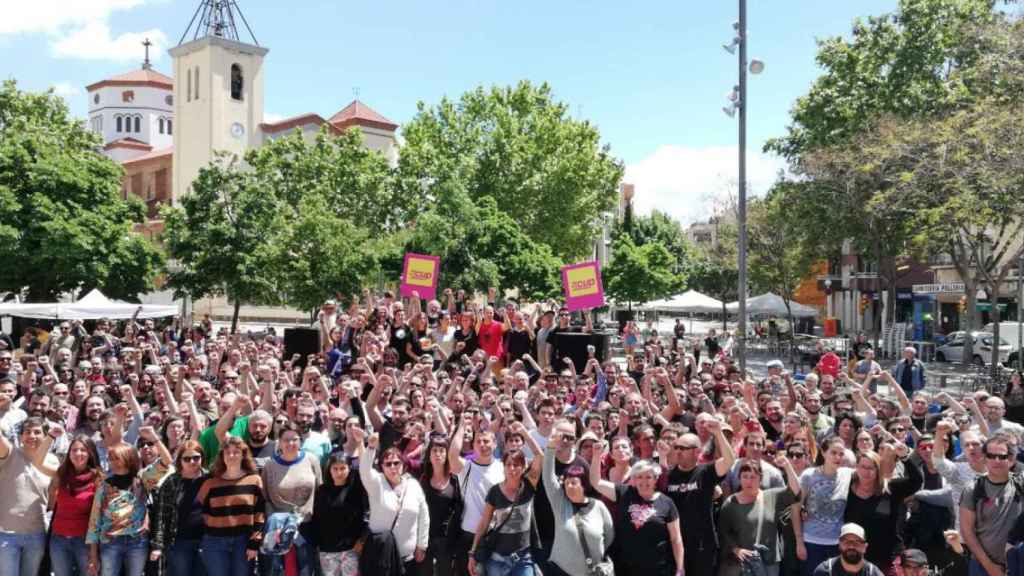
x: 237, y: 82
x: 170, y: 126
x: 118, y: 119
x: 161, y: 122
x: 138, y: 124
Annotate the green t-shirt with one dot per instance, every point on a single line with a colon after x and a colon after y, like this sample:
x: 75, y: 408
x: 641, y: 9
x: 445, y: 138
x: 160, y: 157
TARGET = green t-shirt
x: 211, y: 445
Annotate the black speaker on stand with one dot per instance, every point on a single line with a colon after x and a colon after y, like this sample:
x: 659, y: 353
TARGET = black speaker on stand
x: 301, y: 341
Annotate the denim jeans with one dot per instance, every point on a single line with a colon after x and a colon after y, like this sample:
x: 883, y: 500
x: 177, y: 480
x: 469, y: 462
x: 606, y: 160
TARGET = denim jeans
x: 183, y: 559
x: 127, y: 553
x: 21, y: 554
x: 69, y: 556
x: 516, y: 564
x: 225, y: 556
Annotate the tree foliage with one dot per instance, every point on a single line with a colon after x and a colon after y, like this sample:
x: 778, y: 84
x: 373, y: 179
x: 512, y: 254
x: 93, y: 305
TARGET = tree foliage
x: 639, y: 274
x: 547, y: 171
x: 63, y: 224
x: 659, y: 227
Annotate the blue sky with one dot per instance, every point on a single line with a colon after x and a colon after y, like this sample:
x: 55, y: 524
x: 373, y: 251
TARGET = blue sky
x: 651, y: 75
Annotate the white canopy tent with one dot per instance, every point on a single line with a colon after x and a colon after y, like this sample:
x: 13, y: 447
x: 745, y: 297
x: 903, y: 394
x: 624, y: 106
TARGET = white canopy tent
x: 92, y: 306
x: 689, y: 301
x: 772, y: 305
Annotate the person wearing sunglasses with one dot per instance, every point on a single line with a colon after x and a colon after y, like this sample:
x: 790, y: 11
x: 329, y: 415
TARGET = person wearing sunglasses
x: 990, y: 509
x: 959, y: 474
x: 691, y: 486
x: 176, y: 521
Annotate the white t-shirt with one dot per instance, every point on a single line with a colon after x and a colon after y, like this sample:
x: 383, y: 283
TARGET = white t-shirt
x: 481, y: 479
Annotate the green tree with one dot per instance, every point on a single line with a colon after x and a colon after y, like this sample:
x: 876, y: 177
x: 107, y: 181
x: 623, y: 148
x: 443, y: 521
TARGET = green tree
x: 517, y: 145
x: 780, y: 254
x: 715, y: 270
x: 661, y: 228
x: 225, y: 238
x: 63, y: 224
x: 640, y: 273
x: 481, y: 246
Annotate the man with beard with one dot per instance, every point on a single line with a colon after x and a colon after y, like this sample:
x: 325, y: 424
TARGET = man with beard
x: 772, y: 420
x: 850, y: 562
x: 819, y: 421
x: 391, y: 430
x: 476, y: 477
x: 692, y: 487
x: 314, y: 443
x: 90, y: 414
x: 254, y: 428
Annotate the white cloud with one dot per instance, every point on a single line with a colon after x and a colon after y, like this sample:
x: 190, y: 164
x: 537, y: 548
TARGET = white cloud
x: 81, y: 28
x: 682, y: 181
x: 94, y: 42
x: 66, y: 90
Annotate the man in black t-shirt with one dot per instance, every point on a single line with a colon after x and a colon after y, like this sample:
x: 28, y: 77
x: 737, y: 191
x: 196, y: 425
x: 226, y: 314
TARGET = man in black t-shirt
x: 692, y: 488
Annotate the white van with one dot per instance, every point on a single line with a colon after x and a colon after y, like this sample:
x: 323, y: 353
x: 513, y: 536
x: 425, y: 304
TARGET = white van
x: 1007, y: 331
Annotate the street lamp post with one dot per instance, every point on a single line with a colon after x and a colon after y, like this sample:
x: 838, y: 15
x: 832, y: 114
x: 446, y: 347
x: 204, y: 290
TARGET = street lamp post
x: 738, y: 103
x: 1020, y: 320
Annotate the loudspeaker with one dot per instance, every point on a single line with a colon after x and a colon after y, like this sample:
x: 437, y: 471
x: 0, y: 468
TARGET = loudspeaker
x: 301, y: 341
x: 574, y: 345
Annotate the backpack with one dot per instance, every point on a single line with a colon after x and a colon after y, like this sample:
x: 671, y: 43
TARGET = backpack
x: 978, y: 492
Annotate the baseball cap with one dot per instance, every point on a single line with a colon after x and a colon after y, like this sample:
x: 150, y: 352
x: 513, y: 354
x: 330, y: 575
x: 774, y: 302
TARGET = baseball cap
x: 851, y: 529
x: 913, y: 556
x: 776, y: 364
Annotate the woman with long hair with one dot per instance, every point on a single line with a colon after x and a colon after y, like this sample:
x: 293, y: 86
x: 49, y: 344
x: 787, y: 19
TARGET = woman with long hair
x: 444, y: 501
x: 1013, y: 397
x: 233, y: 511
x: 507, y: 520
x: 71, y: 494
x: 118, y: 535
x: 176, y: 525
x: 823, y: 489
x: 339, y: 517
x: 290, y: 480
x: 876, y: 503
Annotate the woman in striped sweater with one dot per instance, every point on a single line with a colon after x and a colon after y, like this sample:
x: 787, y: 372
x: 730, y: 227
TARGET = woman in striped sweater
x: 233, y: 505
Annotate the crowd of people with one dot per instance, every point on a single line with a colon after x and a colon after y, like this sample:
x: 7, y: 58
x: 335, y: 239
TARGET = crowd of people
x: 464, y: 436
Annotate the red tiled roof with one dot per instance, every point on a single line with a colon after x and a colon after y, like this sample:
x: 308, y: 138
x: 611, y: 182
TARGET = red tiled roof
x: 293, y: 122
x: 142, y: 77
x: 130, y: 143
x: 359, y: 114
x: 154, y: 155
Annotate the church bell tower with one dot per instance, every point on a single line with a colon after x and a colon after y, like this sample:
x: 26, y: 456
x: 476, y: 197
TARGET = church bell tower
x: 218, y: 90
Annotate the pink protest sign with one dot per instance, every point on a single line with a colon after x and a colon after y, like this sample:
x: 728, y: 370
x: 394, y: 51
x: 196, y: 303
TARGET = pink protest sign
x: 582, y: 285
x: 419, y: 273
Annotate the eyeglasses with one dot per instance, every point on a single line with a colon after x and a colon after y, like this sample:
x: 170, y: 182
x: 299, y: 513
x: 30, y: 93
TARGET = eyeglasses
x: 683, y: 448
x: 797, y: 455
x: 146, y: 444
x: 997, y: 456
x: 898, y: 429
x: 568, y: 438
x: 392, y: 464
x: 191, y: 459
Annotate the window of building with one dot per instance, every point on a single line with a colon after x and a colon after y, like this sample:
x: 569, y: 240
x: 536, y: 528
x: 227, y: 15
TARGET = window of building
x: 170, y: 126
x: 160, y: 124
x: 237, y: 82
x: 197, y: 83
x: 188, y: 88
x: 118, y: 120
x: 138, y: 124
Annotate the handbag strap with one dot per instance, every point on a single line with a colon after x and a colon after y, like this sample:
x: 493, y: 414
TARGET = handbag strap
x: 578, y: 520
x: 511, y: 510
x: 401, y: 499
x: 759, y: 510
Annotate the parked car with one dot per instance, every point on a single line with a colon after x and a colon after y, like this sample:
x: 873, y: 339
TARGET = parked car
x: 953, y: 349
x: 1008, y: 331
